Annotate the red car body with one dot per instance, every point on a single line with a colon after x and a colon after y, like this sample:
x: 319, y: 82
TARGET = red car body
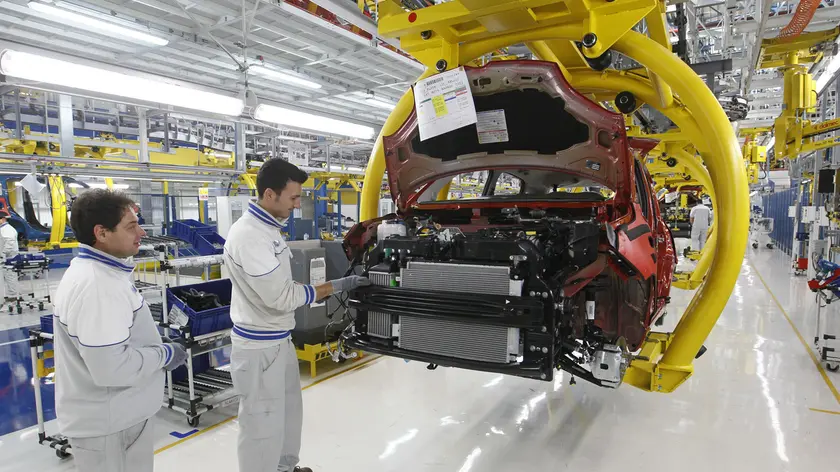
x: 585, y: 213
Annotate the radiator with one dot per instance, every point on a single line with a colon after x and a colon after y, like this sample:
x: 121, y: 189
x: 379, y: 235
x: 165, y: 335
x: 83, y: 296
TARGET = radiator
x: 380, y: 325
x: 456, y: 339
x: 467, y: 278
x: 459, y: 340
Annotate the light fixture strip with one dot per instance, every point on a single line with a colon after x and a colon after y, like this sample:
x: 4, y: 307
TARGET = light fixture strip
x: 24, y: 65
x: 96, y: 25
x: 297, y: 119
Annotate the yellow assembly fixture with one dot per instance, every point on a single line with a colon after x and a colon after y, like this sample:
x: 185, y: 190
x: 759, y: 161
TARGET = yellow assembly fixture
x: 794, y: 134
x: 451, y: 34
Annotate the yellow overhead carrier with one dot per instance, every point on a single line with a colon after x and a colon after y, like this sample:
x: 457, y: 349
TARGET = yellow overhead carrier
x: 452, y: 34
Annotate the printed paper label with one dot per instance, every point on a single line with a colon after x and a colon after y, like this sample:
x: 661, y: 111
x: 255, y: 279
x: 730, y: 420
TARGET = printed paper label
x: 317, y: 274
x: 444, y: 103
x: 492, y: 127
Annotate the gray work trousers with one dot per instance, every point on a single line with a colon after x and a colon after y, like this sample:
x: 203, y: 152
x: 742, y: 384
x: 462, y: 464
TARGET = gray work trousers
x: 698, y: 237
x: 10, y: 284
x: 270, y: 407
x: 130, y: 450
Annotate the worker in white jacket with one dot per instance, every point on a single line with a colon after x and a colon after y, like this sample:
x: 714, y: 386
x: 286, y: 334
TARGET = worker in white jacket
x: 700, y: 218
x: 263, y: 361
x: 109, y: 356
x: 8, y: 250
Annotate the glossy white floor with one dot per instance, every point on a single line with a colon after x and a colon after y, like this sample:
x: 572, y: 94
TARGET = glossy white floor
x: 757, y: 402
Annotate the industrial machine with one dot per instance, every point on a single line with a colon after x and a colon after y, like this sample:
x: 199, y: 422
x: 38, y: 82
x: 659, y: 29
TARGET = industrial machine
x: 583, y: 39
x: 309, y: 266
x: 228, y: 210
x: 567, y: 269
x: 826, y: 284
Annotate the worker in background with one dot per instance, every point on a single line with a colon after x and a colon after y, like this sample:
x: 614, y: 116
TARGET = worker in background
x: 700, y: 219
x: 264, y: 365
x: 109, y: 357
x: 140, y: 219
x: 8, y: 250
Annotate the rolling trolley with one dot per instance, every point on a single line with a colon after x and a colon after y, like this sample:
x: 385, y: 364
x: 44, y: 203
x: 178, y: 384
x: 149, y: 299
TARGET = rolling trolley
x: 826, y: 284
x: 34, y: 266
x: 760, y: 229
x: 196, y: 388
x: 39, y: 339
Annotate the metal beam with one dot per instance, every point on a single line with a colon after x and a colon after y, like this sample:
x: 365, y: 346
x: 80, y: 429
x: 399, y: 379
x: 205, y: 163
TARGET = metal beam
x: 143, y: 125
x: 829, y: 14
x: 712, y: 67
x: 347, y: 12
x: 65, y: 128
x: 762, y: 10
x: 239, y: 155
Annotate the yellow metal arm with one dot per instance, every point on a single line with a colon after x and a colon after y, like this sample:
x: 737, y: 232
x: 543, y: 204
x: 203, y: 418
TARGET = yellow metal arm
x: 59, y: 210
x: 464, y: 29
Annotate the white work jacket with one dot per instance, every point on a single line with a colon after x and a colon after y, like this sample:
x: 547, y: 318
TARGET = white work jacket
x: 702, y: 216
x: 264, y: 296
x: 8, y: 241
x: 109, y: 357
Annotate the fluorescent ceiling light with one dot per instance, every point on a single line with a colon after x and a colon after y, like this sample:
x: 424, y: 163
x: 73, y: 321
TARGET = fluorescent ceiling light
x: 67, y: 74
x: 379, y: 103
x: 114, y: 187
x: 284, y: 116
x: 97, y: 26
x: 296, y: 139
x: 276, y: 75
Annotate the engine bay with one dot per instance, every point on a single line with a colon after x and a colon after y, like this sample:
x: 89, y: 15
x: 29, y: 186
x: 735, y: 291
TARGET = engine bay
x: 511, y: 290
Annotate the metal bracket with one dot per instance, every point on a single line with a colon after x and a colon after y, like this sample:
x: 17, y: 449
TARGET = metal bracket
x: 645, y: 371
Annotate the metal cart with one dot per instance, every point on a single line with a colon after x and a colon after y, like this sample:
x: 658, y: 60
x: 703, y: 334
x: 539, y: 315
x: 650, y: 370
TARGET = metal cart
x: 199, y: 393
x: 38, y: 341
x: 760, y: 229
x: 826, y: 285
x: 33, y: 266
x: 208, y: 390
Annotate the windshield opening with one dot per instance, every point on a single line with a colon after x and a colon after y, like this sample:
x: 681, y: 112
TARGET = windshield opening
x: 517, y: 185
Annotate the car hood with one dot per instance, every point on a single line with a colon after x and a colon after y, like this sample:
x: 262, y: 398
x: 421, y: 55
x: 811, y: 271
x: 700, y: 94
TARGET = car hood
x: 550, y: 126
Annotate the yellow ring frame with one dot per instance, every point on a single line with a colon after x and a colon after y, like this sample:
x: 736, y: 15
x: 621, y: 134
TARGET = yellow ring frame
x: 719, y: 147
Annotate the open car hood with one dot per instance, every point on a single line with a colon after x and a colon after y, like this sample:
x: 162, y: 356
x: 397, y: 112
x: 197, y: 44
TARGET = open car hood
x: 550, y: 126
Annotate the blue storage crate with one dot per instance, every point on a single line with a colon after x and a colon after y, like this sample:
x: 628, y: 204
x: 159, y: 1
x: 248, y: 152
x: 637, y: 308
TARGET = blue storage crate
x: 200, y: 364
x: 47, y: 324
x: 206, y: 321
x: 205, y: 244
x: 188, y: 229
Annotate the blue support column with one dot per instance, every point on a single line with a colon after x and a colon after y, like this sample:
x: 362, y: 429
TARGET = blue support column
x: 340, y: 216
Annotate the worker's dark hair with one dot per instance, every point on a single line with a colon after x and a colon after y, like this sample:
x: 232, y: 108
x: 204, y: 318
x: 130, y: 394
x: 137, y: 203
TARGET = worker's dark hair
x: 276, y: 173
x: 97, y: 207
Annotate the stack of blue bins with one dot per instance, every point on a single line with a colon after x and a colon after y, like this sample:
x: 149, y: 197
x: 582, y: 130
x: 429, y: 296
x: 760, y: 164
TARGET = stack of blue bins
x: 202, y: 236
x: 201, y: 322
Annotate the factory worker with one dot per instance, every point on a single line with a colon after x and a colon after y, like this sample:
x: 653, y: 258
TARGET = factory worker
x: 8, y: 249
x: 264, y: 366
x: 701, y: 218
x: 109, y: 358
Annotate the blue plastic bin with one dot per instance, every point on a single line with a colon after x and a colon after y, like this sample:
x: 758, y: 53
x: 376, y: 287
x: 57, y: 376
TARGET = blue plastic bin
x: 200, y: 364
x: 189, y: 229
x: 206, y: 321
x: 205, y: 244
x: 47, y: 324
